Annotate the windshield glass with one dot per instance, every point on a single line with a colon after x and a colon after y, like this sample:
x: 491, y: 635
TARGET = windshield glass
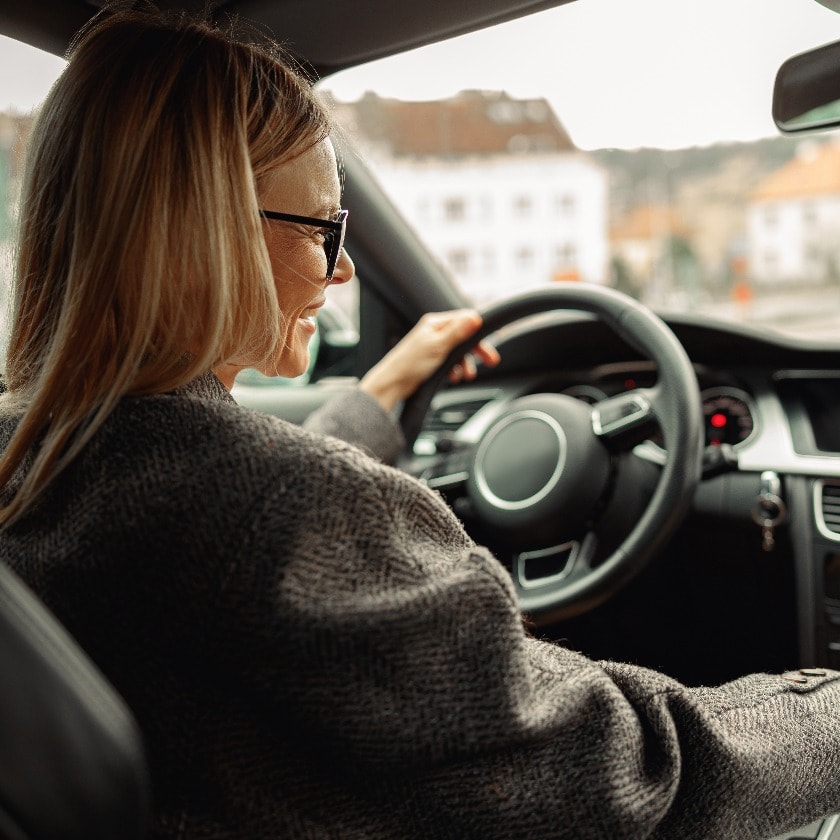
x: 604, y: 141
x: 629, y: 144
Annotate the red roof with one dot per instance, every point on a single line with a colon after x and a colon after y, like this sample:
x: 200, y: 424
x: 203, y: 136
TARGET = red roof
x: 815, y: 171
x: 471, y: 123
x: 647, y: 221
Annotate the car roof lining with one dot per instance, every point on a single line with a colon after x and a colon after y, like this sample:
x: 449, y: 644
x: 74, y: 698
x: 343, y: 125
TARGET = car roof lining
x: 347, y: 33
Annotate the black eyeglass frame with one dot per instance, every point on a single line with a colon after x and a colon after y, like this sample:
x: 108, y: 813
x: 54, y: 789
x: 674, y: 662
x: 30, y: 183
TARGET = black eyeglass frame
x: 332, y: 243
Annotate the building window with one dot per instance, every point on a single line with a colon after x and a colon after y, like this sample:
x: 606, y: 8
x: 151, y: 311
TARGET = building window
x: 523, y: 205
x: 809, y: 214
x: 566, y: 255
x: 565, y: 204
x: 454, y: 209
x: 459, y: 261
x: 524, y: 259
x: 771, y: 217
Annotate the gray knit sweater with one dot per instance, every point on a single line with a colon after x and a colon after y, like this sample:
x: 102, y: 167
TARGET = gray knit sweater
x: 315, y: 649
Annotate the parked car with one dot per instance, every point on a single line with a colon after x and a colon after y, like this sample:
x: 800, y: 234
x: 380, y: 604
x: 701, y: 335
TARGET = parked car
x: 660, y: 473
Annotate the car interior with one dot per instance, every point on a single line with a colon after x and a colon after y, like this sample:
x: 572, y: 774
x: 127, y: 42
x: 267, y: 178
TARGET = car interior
x: 661, y: 482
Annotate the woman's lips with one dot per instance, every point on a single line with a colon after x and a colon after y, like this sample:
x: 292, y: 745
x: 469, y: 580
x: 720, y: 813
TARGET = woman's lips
x: 307, y: 318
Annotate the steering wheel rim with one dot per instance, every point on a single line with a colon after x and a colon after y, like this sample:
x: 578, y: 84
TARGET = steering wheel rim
x: 677, y: 409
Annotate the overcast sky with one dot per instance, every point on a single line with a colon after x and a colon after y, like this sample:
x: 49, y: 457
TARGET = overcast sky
x: 25, y: 75
x: 732, y: 49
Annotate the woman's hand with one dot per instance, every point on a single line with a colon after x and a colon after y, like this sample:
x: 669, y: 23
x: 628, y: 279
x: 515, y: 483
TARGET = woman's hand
x: 422, y: 351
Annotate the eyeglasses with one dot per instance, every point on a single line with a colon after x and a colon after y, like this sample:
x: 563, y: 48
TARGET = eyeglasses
x: 335, y: 229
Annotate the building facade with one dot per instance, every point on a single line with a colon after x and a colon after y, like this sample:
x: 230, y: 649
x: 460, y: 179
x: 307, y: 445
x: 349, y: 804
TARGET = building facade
x: 492, y: 185
x: 793, y: 220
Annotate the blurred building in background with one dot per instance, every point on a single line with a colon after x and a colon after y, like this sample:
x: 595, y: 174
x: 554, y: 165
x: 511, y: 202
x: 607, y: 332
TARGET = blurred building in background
x: 793, y: 219
x: 492, y: 184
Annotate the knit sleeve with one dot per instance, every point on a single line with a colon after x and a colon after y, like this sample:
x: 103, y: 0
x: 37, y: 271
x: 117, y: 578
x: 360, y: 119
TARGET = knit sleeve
x: 356, y: 417
x: 395, y: 646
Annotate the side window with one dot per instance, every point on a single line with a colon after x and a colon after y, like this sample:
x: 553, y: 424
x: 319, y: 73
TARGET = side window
x: 7, y: 211
x: 27, y: 76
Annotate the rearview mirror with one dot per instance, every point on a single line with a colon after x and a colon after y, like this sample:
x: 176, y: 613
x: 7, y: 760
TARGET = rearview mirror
x: 807, y: 91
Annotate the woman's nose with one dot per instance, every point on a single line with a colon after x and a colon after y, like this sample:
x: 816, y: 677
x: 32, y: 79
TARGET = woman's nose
x: 344, y: 269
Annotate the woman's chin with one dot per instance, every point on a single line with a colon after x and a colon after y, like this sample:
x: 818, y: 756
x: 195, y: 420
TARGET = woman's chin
x: 294, y: 357
x: 297, y: 365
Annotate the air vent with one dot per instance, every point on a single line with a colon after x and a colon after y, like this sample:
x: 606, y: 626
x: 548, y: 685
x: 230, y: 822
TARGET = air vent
x: 444, y: 420
x: 450, y: 417
x: 827, y: 508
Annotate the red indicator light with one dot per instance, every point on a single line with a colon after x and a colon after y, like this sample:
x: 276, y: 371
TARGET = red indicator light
x: 629, y: 384
x: 718, y: 420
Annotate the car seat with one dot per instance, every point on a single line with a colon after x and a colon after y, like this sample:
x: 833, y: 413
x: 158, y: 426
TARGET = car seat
x: 71, y: 757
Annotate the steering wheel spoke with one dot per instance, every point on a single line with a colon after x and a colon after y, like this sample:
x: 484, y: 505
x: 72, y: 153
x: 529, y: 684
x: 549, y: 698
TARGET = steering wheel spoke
x: 623, y: 421
x: 445, y: 479
x: 546, y: 567
x: 439, y: 461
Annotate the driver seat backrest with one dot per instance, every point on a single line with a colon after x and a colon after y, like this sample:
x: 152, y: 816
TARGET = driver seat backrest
x: 71, y: 757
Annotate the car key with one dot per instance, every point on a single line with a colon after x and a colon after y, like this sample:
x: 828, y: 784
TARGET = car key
x: 769, y: 509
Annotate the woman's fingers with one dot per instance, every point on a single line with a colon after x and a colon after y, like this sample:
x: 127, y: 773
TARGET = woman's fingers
x: 488, y: 354
x: 423, y: 350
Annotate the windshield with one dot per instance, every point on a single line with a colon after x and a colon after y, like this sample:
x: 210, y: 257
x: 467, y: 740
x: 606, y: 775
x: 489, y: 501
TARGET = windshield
x: 605, y: 141
x: 628, y: 144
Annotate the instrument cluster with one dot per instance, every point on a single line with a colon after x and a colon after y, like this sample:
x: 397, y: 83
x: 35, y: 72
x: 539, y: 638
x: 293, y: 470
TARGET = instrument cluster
x: 729, y: 412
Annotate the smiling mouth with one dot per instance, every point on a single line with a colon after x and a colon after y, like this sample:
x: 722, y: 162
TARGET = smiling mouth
x: 311, y: 312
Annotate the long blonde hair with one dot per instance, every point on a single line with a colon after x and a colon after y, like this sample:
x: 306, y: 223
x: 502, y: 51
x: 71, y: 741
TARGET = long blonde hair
x: 141, y: 260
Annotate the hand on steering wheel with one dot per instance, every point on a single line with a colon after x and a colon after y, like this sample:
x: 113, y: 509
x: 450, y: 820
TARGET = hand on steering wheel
x: 422, y: 352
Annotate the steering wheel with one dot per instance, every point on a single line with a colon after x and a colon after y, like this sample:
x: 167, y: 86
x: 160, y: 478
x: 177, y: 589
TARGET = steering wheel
x: 544, y: 473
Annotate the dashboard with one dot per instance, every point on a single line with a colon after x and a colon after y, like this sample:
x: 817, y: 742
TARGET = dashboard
x: 772, y: 404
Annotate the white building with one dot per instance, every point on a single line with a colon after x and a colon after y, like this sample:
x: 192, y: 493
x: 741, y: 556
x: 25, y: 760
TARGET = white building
x: 492, y: 185
x: 793, y: 220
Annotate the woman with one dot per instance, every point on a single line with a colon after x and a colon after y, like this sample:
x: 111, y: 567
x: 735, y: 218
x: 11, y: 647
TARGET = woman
x: 311, y: 643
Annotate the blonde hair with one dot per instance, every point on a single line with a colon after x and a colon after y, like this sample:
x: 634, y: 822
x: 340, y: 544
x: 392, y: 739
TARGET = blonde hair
x: 141, y: 261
